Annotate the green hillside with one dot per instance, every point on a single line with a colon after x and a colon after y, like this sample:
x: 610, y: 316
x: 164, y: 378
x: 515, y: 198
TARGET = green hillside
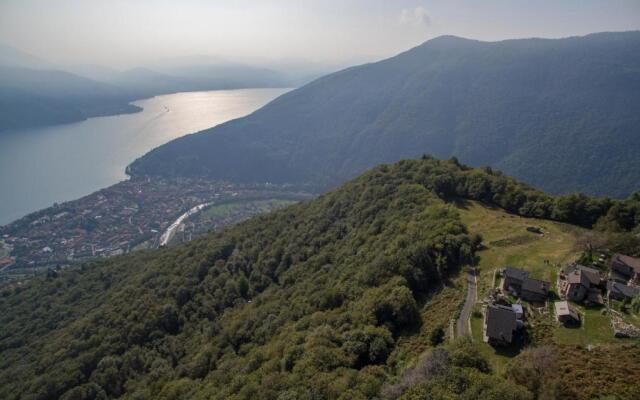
x: 347, y: 296
x: 562, y: 115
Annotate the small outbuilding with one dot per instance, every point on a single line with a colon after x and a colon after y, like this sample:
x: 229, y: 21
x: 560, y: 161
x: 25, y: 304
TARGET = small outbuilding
x: 566, y: 314
x: 517, y: 308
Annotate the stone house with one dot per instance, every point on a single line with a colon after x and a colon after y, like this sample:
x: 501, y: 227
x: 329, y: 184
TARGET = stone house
x: 534, y: 290
x: 625, y: 268
x: 580, y: 284
x: 513, y: 278
x: 517, y: 282
x: 500, y: 325
x: 620, y: 291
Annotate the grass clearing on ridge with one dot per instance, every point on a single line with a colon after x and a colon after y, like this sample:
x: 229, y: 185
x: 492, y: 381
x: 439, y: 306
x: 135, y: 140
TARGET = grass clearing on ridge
x: 508, y: 243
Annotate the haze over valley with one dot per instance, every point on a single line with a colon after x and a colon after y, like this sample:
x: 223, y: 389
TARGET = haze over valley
x: 35, y: 92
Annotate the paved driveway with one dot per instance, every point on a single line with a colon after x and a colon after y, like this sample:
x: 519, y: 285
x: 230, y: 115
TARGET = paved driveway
x: 462, y: 325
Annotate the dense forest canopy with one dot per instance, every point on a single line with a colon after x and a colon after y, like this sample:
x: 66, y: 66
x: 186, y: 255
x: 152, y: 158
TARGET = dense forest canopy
x: 562, y: 115
x: 310, y: 302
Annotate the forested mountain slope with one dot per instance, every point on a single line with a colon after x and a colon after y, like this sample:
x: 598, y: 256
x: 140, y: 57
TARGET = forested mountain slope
x: 562, y: 115
x: 321, y: 300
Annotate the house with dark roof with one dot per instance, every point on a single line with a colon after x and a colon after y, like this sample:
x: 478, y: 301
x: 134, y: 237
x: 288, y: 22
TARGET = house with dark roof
x: 580, y: 284
x: 500, y: 325
x: 618, y: 277
x: 517, y: 281
x: 513, y: 278
x: 620, y: 291
x: 534, y: 290
x: 625, y: 267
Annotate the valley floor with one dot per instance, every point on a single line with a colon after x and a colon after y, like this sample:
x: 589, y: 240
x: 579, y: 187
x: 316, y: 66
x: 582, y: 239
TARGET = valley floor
x: 128, y: 216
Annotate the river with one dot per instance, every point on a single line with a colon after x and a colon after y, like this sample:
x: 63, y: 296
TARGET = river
x: 58, y: 163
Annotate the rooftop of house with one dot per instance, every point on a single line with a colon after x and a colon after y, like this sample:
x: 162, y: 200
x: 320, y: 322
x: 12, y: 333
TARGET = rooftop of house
x: 562, y: 309
x: 627, y: 291
x: 629, y: 261
x: 515, y: 273
x: 585, y: 276
x: 576, y: 277
x: 617, y: 276
x: 535, y: 286
x: 501, y: 322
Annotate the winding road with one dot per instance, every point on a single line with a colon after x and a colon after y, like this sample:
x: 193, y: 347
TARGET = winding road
x: 462, y: 325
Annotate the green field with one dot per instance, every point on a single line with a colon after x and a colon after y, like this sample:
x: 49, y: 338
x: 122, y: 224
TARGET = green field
x: 594, y: 329
x: 510, y: 244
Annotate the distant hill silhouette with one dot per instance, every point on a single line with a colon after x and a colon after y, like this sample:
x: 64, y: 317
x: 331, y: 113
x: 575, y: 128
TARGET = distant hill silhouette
x: 561, y: 114
x: 31, y: 98
x: 35, y: 92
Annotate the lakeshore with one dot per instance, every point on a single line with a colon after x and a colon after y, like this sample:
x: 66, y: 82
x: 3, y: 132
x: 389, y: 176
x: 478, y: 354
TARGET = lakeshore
x: 131, y: 215
x: 64, y: 162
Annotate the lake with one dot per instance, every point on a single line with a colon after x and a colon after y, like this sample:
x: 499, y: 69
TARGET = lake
x: 39, y: 167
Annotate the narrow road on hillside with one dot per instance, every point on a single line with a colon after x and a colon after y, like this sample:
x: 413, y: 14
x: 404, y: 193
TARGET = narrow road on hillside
x: 462, y: 325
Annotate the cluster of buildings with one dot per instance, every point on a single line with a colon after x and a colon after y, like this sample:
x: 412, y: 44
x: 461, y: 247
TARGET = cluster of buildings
x: 587, y: 285
x: 624, y: 277
x: 127, y: 216
x: 504, y: 321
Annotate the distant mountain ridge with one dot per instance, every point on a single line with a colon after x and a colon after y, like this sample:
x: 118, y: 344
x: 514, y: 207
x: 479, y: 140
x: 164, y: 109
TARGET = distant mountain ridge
x: 147, y: 82
x: 561, y: 114
x: 31, y: 98
x: 35, y: 92
x: 12, y: 57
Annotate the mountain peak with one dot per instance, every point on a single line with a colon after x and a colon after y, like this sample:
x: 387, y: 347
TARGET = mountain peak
x: 450, y: 96
x: 450, y: 39
x: 447, y: 41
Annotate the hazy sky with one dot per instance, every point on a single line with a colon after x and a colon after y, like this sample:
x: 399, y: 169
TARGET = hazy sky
x: 125, y: 33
